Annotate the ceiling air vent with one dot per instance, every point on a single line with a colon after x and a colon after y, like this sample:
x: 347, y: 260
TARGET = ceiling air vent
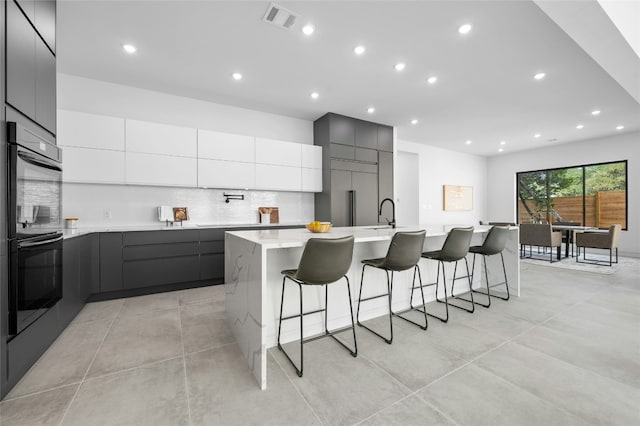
x: 280, y: 17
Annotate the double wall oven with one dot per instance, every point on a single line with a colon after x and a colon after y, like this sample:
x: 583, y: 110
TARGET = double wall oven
x: 35, y: 226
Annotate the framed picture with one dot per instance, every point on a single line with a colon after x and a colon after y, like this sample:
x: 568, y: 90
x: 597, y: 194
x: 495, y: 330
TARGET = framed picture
x: 458, y: 198
x: 180, y: 214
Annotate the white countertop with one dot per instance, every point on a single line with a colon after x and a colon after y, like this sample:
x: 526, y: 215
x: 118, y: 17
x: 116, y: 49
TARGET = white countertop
x: 285, y: 238
x: 161, y: 226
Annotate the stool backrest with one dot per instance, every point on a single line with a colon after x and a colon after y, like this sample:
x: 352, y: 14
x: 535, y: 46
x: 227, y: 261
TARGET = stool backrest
x: 405, y: 250
x: 456, y: 246
x: 496, y: 240
x: 325, y: 260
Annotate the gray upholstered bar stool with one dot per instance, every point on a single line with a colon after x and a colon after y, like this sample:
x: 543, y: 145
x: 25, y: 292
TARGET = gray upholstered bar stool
x: 493, y: 244
x: 324, y: 261
x: 454, y: 249
x: 403, y: 254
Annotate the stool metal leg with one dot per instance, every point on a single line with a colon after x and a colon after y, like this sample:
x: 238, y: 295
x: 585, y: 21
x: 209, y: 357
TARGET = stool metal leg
x: 453, y: 283
x: 388, y: 294
x: 505, y: 282
x: 415, y: 308
x: 445, y: 301
x: 353, y: 352
x: 298, y: 370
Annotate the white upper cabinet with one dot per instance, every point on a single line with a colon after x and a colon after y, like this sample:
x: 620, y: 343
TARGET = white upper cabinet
x: 226, y: 174
x: 312, y: 156
x: 278, y: 178
x: 155, y: 138
x: 163, y: 170
x: 311, y: 180
x: 90, y: 131
x: 269, y: 151
x: 226, y: 146
x: 87, y: 165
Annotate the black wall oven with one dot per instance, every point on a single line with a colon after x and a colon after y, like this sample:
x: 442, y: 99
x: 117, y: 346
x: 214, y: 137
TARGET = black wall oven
x: 35, y: 226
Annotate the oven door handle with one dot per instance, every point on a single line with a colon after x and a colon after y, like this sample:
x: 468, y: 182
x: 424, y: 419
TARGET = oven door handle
x: 28, y: 244
x: 36, y: 161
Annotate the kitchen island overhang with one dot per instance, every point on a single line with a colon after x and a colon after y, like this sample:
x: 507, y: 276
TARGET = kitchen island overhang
x: 253, y: 282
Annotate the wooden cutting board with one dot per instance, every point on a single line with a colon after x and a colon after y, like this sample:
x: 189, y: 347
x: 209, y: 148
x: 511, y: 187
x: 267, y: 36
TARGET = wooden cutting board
x: 273, y: 211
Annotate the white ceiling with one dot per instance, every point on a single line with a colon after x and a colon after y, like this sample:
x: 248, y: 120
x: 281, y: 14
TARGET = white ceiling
x: 485, y: 90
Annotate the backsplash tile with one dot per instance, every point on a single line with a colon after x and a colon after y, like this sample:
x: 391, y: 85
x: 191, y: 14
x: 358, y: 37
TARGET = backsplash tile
x: 122, y: 205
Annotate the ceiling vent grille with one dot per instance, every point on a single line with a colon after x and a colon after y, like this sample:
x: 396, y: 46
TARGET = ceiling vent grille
x: 280, y: 17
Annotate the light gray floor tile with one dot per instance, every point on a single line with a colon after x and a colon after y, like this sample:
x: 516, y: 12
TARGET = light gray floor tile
x: 472, y: 396
x: 341, y: 389
x: 144, y: 304
x: 412, y: 358
x: 137, y: 340
x: 223, y: 391
x: 150, y: 395
x: 106, y: 310
x: 593, y: 397
x: 66, y: 361
x: 618, y: 298
x: 201, y: 294
x: 408, y: 412
x: 492, y: 320
x: 619, y: 360
x: 204, y: 326
x: 42, y: 409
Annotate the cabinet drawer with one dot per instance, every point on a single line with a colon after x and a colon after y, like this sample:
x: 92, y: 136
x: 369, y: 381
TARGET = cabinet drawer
x: 354, y: 166
x: 160, y: 237
x: 156, y: 251
x: 208, y: 247
x: 369, y: 155
x: 342, y: 151
x: 212, y: 266
x: 212, y: 234
x: 146, y: 273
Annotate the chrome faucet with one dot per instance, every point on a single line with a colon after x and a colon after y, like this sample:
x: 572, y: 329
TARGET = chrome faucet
x: 391, y: 222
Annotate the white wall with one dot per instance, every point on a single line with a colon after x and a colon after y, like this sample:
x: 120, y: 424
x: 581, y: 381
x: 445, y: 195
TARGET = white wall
x: 440, y: 167
x: 501, y: 176
x: 108, y: 205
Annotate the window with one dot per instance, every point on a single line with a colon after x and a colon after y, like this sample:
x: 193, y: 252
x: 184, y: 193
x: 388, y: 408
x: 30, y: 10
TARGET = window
x: 589, y: 195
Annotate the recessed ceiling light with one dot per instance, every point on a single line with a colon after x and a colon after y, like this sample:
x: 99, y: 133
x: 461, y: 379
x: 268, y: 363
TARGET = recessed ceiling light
x: 500, y: 150
x: 236, y: 76
x: 619, y: 127
x: 503, y: 142
x: 314, y: 95
x: 432, y: 79
x: 580, y: 126
x: 595, y: 112
x: 371, y: 110
x: 308, y: 29
x: 399, y: 67
x: 414, y: 121
x: 359, y: 50
x: 539, y: 76
x: 464, y: 29
x: 129, y: 48
x: 537, y: 135
x: 468, y: 142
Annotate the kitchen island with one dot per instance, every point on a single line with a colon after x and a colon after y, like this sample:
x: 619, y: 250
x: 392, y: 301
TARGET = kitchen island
x: 253, y: 283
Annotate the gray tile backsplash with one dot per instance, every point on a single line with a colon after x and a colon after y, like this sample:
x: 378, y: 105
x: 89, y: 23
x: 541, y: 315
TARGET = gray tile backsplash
x: 121, y: 205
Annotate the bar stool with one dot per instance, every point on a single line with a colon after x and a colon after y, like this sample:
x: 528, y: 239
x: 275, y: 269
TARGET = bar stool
x: 324, y: 261
x: 403, y: 254
x: 493, y: 244
x: 454, y: 249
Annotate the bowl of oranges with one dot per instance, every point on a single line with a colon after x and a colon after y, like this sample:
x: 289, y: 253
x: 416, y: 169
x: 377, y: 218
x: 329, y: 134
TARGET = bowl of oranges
x: 320, y: 227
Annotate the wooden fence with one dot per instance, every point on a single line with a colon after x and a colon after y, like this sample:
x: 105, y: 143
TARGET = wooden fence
x: 602, y: 209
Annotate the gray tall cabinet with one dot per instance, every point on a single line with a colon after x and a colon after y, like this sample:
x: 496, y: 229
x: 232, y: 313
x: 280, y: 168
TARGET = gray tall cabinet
x: 357, y: 170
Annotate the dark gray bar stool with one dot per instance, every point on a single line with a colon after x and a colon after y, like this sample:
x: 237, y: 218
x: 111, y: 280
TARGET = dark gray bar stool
x: 403, y: 254
x: 493, y: 244
x: 454, y: 249
x: 324, y: 261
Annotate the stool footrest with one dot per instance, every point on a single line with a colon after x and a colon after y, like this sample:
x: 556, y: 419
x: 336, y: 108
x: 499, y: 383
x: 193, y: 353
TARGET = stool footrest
x: 376, y: 333
x: 305, y: 313
x: 398, y: 314
x: 374, y: 297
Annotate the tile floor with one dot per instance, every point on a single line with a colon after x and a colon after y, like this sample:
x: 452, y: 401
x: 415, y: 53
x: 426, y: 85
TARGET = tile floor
x: 566, y: 352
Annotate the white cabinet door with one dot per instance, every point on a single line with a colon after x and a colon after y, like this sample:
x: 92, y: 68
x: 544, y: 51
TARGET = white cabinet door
x: 155, y: 138
x: 92, y: 165
x: 278, y: 178
x: 226, y: 146
x: 226, y: 174
x: 269, y: 151
x: 311, y: 180
x: 90, y: 131
x: 152, y: 169
x: 312, y: 156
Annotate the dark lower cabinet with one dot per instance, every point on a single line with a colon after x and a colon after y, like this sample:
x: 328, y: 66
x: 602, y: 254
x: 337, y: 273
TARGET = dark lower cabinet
x: 79, y: 278
x: 110, y: 261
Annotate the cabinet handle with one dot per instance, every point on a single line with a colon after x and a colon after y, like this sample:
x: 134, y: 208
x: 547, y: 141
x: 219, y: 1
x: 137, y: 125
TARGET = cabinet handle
x: 352, y: 205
